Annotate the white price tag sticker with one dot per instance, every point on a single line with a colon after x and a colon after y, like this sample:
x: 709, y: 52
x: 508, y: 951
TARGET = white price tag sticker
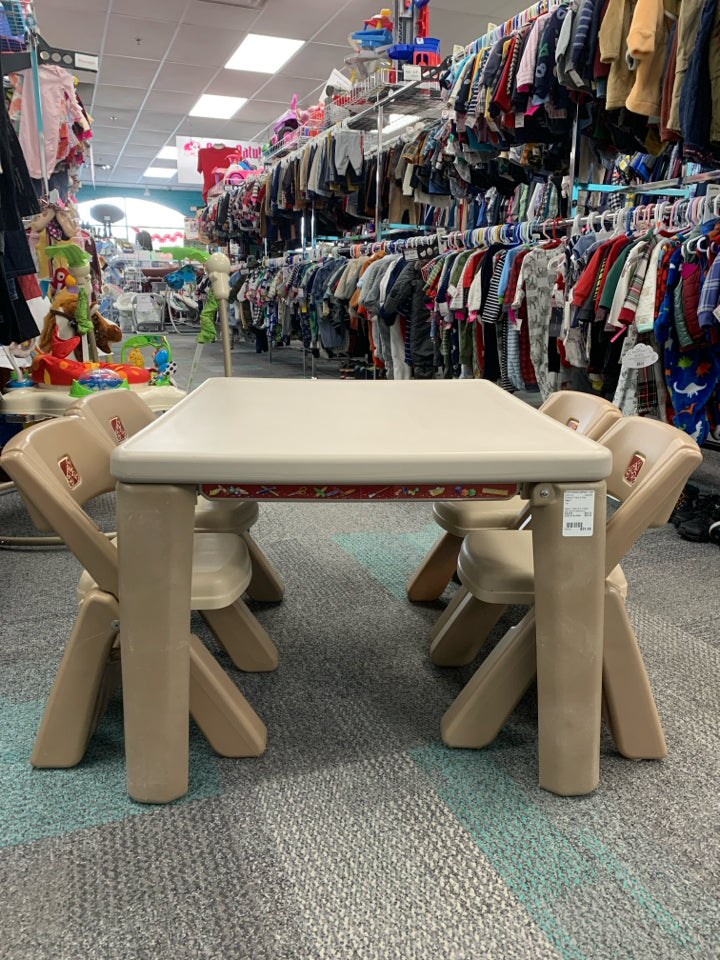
x: 578, y: 513
x: 711, y: 192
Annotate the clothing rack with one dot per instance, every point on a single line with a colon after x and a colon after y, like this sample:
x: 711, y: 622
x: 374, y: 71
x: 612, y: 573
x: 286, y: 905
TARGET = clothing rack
x: 40, y: 52
x: 514, y: 23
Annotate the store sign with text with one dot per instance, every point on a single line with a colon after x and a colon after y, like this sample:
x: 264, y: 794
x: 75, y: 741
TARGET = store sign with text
x: 189, y: 147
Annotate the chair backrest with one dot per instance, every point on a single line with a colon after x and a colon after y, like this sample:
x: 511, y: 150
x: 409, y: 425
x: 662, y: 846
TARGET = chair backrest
x: 585, y: 412
x: 117, y: 414
x: 57, y: 466
x: 652, y: 462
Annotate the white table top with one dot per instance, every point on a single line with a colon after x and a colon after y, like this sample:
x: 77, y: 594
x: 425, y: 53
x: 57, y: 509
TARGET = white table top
x: 373, y: 432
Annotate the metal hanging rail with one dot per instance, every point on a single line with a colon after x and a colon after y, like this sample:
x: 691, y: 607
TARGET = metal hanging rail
x: 673, y: 186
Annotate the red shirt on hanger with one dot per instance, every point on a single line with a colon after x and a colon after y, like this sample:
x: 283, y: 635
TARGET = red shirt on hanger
x: 216, y: 155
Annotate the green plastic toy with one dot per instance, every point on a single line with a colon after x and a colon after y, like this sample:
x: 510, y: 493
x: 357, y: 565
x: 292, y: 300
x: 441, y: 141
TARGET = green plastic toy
x: 156, y: 340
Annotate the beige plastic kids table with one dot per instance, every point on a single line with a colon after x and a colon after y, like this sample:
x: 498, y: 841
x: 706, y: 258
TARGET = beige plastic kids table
x: 339, y: 440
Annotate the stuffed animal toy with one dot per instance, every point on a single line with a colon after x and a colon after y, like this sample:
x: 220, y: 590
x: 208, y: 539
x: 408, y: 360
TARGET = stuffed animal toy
x: 65, y: 324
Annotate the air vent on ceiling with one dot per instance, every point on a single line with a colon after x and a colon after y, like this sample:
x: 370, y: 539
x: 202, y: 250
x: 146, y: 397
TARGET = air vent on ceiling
x: 238, y: 4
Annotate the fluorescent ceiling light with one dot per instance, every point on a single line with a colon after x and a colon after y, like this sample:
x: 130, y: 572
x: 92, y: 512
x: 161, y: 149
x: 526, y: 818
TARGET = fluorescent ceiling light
x: 397, y: 122
x: 161, y: 173
x: 220, y: 108
x: 259, y: 54
x: 167, y: 153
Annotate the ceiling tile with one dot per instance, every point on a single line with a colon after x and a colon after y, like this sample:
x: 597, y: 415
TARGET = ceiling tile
x: 242, y: 131
x: 299, y: 21
x: 174, y: 104
x: 47, y: 8
x: 128, y: 71
x: 346, y: 21
x: 124, y: 119
x: 201, y: 46
x: 316, y: 60
x: 112, y: 134
x: 145, y: 138
x: 153, y: 121
x: 503, y: 9
x: 458, y: 28
x: 132, y: 163
x: 85, y: 92
x: 124, y: 32
x: 281, y: 89
x: 104, y: 157
x: 203, y: 128
x: 207, y: 13
x: 258, y: 111
x: 129, y: 98
x: 313, y: 96
x: 236, y: 83
x: 153, y: 10
x: 184, y: 78
x: 60, y: 29
x: 142, y: 153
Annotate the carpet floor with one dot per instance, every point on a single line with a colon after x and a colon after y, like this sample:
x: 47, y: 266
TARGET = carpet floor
x: 358, y: 834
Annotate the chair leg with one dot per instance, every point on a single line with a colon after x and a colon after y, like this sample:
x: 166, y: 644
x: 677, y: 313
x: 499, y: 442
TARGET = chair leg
x: 457, y: 639
x: 478, y: 713
x: 242, y: 637
x: 111, y: 681
x: 71, y: 712
x: 227, y: 720
x: 631, y: 711
x: 436, y: 570
x: 457, y: 599
x: 266, y: 585
x: 484, y: 704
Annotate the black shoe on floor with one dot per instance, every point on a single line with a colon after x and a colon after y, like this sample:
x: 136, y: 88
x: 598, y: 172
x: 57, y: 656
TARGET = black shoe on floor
x: 687, y: 505
x: 697, y: 527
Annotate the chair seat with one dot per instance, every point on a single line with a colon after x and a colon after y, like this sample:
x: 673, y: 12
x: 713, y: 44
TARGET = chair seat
x: 223, y: 516
x: 221, y: 571
x: 496, y: 566
x: 461, y: 517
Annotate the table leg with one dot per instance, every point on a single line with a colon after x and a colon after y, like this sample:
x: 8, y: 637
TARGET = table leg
x: 155, y: 524
x: 569, y: 594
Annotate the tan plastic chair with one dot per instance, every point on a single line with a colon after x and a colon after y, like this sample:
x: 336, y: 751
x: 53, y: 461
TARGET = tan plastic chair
x: 651, y: 464
x: 584, y: 412
x: 119, y: 414
x: 57, y: 466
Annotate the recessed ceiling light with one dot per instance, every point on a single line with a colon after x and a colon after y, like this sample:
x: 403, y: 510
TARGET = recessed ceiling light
x: 259, y: 54
x: 161, y: 173
x: 167, y: 153
x: 221, y: 108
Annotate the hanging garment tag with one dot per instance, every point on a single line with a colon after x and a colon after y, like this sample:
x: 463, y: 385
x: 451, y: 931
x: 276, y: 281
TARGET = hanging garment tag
x: 639, y: 356
x: 578, y: 513
x: 711, y: 192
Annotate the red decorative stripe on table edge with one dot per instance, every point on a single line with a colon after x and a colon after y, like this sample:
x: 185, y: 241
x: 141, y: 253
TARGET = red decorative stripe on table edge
x: 392, y: 491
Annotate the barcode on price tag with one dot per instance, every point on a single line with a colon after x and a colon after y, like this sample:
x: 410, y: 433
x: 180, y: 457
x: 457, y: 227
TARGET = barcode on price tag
x: 578, y: 513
